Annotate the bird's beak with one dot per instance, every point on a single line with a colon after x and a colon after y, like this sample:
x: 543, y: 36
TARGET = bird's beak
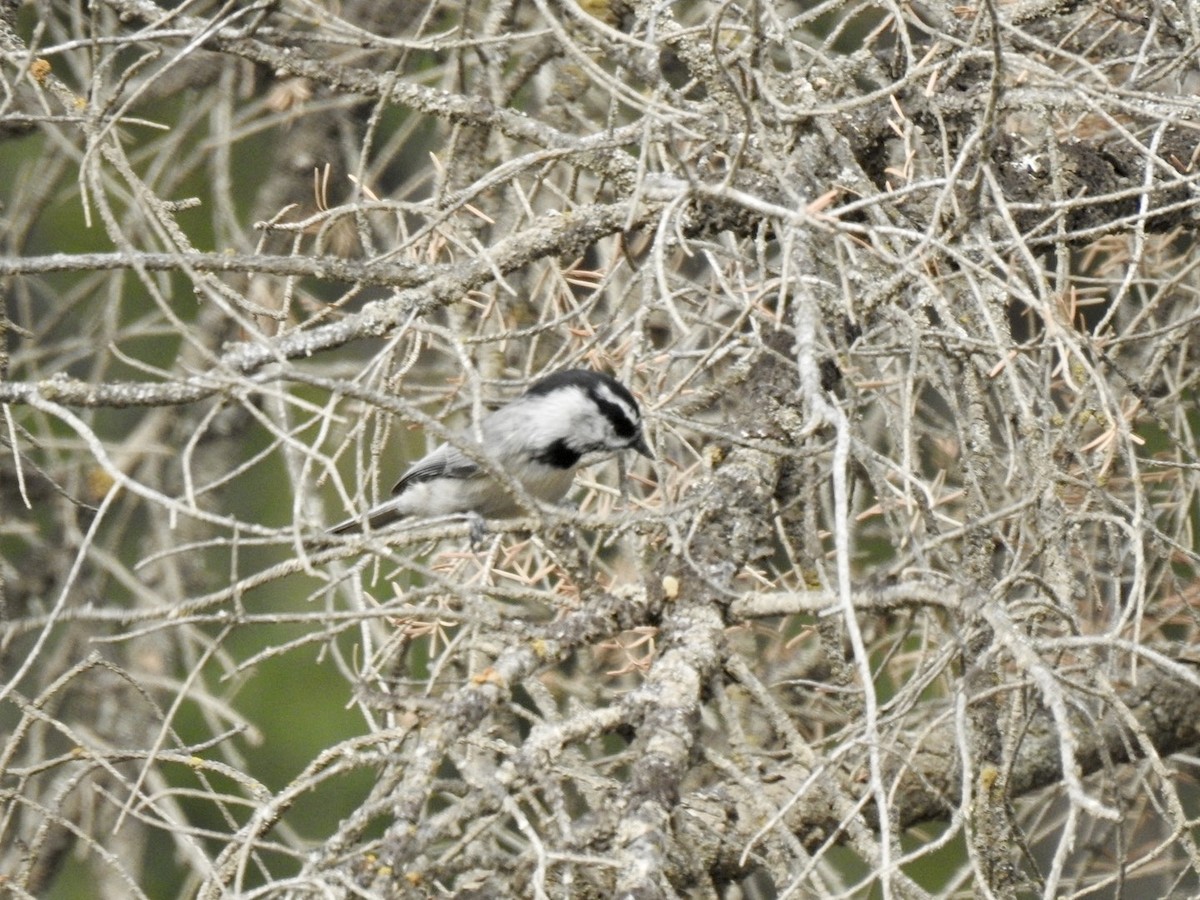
x: 642, y: 447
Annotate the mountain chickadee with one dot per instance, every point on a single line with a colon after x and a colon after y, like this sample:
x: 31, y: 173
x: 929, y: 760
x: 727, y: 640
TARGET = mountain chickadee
x: 562, y: 423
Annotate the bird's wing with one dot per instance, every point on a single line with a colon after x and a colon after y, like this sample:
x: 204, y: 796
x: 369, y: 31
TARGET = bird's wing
x: 446, y: 461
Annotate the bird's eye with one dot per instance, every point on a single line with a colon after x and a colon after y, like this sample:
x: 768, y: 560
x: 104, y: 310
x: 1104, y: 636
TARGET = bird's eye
x: 624, y: 428
x: 618, y: 414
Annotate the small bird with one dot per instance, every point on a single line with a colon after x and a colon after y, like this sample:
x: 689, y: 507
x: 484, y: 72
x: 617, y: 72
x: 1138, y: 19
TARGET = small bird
x: 563, y: 422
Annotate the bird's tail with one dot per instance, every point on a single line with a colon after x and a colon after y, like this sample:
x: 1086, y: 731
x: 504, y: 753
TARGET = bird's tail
x: 375, y: 520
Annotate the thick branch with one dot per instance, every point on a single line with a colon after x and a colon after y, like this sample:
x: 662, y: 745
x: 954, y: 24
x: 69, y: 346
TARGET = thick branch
x: 565, y: 235
x: 1166, y: 707
x: 325, y: 268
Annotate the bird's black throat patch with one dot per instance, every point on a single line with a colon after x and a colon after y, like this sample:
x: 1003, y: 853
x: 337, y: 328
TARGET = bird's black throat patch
x: 559, y: 455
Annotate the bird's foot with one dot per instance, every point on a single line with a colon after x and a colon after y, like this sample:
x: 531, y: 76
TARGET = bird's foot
x: 478, y: 529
